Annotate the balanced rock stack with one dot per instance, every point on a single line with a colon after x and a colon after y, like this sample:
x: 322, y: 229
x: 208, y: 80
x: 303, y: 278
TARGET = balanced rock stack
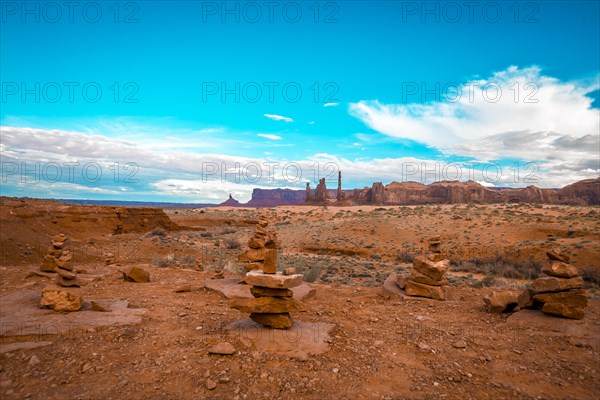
x: 272, y: 302
x: 428, y: 275
x: 561, y: 292
x: 66, y: 296
x: 57, y: 255
x: 262, y: 252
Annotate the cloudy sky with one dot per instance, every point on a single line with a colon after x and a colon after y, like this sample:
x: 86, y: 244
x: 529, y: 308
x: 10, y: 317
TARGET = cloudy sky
x: 189, y: 101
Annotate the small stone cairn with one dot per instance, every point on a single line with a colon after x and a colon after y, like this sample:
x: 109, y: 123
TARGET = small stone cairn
x: 561, y: 292
x: 428, y: 276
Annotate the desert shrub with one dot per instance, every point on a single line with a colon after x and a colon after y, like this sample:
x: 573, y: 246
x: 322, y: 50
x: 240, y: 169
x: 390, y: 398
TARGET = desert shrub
x: 164, y: 262
x: 311, y: 272
x: 188, y: 260
x: 206, y: 234
x: 591, y: 276
x: 228, y: 230
x: 231, y: 244
x: 500, y: 266
x: 158, y: 231
x: 376, y: 256
x: 404, y: 257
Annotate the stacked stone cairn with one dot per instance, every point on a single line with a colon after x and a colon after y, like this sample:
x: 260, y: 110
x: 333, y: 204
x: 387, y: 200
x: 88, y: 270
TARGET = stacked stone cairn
x: 65, y: 295
x: 428, y: 276
x: 59, y: 260
x: 561, y: 292
x: 262, y: 250
x: 272, y: 302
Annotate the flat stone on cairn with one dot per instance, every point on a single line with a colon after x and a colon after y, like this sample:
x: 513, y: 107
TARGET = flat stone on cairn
x: 560, y: 293
x: 272, y: 302
x: 428, y: 276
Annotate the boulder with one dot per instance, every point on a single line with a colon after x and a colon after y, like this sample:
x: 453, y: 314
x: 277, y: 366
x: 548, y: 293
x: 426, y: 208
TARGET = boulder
x: 136, y: 274
x: 499, y: 301
x: 186, y: 287
x: 551, y: 284
x: 390, y: 287
x: 64, y: 261
x: 275, y: 281
x: 562, y: 310
x: 258, y: 291
x: 431, y: 269
x: 420, y: 290
x: 559, y: 269
x: 572, y: 299
x: 267, y: 305
x: 273, y: 320
x: 402, y: 280
x: 61, y: 299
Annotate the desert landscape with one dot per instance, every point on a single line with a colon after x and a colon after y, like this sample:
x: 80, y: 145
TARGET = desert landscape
x: 172, y: 337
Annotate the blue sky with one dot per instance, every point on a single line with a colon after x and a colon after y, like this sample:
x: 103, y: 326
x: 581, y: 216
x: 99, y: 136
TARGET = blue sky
x: 192, y: 96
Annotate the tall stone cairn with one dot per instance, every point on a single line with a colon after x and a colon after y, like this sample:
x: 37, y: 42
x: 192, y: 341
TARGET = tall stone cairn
x: 64, y: 295
x: 262, y: 250
x: 429, y: 272
x: 561, y: 292
x: 272, y: 302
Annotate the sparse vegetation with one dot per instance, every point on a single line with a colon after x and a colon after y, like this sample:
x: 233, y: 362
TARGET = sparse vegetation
x: 158, y: 231
x: 500, y: 266
x: 231, y: 243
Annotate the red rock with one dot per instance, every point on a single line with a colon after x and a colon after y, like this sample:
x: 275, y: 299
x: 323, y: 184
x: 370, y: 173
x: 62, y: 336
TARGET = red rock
x: 420, y: 278
x: 223, y: 348
x: 390, y: 287
x: 136, y: 274
x: 289, y: 271
x: 275, y: 281
x: 559, y: 269
x: 557, y: 254
x: 551, y: 284
x: 562, y: 310
x: 270, y: 264
x: 48, y: 264
x: 572, y: 299
x: 256, y: 243
x: 502, y: 300
x: 273, y: 320
x: 252, y: 255
x: 258, y: 291
x: 420, y: 290
x: 267, y: 305
x: 61, y: 299
x: 402, y: 280
x: 431, y: 269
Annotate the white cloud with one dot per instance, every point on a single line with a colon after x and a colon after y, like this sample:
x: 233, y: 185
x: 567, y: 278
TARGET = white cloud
x: 276, y: 117
x: 331, y: 104
x: 488, y: 118
x: 269, y: 136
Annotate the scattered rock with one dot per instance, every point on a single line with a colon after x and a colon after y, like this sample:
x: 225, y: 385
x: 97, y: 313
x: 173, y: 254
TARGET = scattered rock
x: 502, y: 300
x: 210, y: 384
x: 223, y: 348
x: 61, y: 299
x: 136, y: 274
x: 183, y: 288
x: 460, y: 344
x: 34, y: 360
x: 559, y: 269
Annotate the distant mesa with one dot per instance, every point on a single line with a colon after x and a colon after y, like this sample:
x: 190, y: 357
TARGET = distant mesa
x: 583, y: 193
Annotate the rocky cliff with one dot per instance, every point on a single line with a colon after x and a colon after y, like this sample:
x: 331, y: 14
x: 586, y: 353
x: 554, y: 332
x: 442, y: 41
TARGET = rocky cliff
x: 586, y: 192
